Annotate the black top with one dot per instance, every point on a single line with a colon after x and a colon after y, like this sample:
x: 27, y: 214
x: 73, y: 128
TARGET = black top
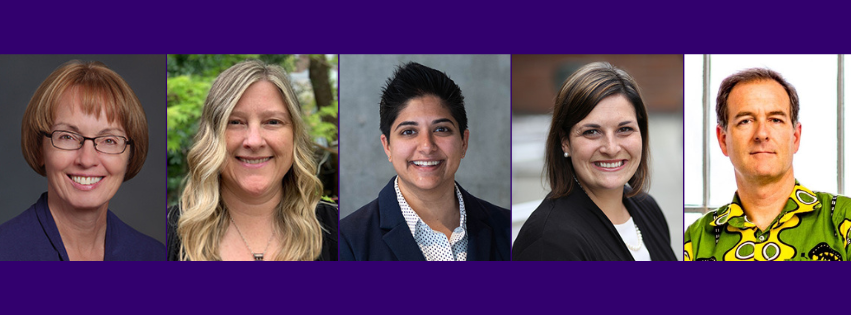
x: 574, y: 228
x: 326, y: 214
x: 378, y: 231
x: 33, y: 235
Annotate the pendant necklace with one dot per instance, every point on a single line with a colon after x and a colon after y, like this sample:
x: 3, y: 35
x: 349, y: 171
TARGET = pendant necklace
x: 257, y: 256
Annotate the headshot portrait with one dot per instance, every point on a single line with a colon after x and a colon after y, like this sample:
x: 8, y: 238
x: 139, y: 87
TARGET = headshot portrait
x: 596, y: 156
x: 84, y: 142
x: 768, y: 182
x: 425, y: 171
x: 251, y: 189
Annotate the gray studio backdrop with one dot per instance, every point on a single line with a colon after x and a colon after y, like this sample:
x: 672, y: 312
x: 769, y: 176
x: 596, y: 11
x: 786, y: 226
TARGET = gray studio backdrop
x: 485, y: 81
x: 141, y: 201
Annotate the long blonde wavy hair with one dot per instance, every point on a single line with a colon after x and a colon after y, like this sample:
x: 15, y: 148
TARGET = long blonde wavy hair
x: 203, y: 215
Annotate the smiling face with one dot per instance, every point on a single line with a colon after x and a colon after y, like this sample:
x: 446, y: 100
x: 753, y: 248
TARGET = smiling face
x: 259, y: 139
x: 760, y: 138
x: 425, y: 145
x: 82, y: 179
x: 605, y: 147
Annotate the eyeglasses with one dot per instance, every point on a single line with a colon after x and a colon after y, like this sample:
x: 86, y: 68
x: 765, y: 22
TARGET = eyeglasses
x: 66, y: 140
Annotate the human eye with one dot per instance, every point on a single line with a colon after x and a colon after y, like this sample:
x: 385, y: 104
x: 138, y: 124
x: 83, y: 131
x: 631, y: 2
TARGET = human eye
x: 235, y: 122
x: 591, y: 132
x: 744, y: 122
x: 777, y: 120
x: 407, y: 132
x: 66, y: 136
x: 276, y: 122
x: 109, y: 140
x: 626, y: 129
x: 442, y: 129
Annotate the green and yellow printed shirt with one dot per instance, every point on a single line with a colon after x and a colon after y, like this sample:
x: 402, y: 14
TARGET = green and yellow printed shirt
x: 812, y: 226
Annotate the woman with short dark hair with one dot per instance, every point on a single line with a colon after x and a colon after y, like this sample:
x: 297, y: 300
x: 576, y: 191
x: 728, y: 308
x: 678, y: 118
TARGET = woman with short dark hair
x: 422, y: 213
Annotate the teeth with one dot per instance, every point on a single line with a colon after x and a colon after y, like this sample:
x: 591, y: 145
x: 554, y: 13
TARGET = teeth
x: 609, y: 165
x: 426, y: 163
x: 255, y: 161
x: 84, y: 180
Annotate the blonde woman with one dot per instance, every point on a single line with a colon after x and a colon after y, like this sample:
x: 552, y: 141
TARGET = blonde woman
x: 251, y: 192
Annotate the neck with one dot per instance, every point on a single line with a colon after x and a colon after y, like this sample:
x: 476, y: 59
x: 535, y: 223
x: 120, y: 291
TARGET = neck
x: 439, y: 204
x: 254, y: 220
x: 251, y: 208
x: 83, y: 231
x: 610, y: 201
x: 762, y: 201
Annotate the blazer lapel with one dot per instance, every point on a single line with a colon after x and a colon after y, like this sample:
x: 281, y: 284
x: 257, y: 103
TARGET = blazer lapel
x: 479, y: 232
x: 397, y: 235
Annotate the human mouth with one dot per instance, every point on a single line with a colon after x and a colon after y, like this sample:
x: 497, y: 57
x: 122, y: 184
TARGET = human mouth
x: 85, y: 180
x: 426, y: 163
x: 253, y: 161
x: 610, y: 165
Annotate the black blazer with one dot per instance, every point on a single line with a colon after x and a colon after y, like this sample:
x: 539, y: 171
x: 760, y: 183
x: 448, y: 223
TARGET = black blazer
x: 378, y: 231
x: 574, y: 228
x: 326, y: 214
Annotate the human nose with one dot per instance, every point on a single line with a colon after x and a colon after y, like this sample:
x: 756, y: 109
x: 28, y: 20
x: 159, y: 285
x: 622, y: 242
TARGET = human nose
x: 610, y: 145
x: 761, y: 133
x: 87, y: 156
x: 253, y: 138
x: 426, y: 143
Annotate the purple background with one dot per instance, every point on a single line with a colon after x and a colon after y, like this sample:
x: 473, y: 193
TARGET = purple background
x: 159, y: 27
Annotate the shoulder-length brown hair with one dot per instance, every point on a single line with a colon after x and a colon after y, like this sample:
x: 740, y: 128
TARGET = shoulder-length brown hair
x: 576, y: 98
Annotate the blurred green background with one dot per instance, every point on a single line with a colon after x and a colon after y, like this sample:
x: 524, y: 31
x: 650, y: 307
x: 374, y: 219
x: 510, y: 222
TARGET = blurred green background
x: 314, y: 79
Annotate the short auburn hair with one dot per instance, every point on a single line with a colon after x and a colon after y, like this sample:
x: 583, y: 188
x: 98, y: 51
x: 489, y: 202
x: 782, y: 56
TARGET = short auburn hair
x: 99, y: 89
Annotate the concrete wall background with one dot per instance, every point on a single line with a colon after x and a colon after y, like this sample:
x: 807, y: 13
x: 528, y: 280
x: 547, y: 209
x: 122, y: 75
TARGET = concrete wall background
x: 485, y: 82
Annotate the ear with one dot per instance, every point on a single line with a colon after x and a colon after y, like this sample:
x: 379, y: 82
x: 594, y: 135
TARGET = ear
x: 386, y: 144
x: 797, y: 138
x: 565, y: 145
x: 465, y: 140
x: 721, y: 134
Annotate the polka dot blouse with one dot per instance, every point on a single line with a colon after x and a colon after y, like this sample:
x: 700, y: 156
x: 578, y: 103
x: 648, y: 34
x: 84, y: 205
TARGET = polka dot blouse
x: 434, y: 245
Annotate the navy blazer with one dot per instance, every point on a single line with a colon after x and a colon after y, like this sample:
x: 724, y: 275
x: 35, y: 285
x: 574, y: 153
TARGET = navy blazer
x: 33, y: 235
x: 378, y: 231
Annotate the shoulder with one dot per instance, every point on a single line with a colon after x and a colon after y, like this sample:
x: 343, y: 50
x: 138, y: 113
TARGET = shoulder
x: 550, y: 233
x: 499, y: 215
x: 841, y: 205
x: 704, y: 225
x: 24, y: 223
x: 647, y: 204
x: 23, y: 238
x: 357, y: 221
x: 328, y: 217
x: 141, y: 246
x: 358, y: 231
x: 327, y: 214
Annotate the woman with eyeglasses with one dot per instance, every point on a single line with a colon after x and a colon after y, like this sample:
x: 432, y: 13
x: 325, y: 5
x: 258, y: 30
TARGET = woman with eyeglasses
x: 85, y: 130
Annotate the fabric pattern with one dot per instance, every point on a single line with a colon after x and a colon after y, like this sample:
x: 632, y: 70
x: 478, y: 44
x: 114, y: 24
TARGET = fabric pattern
x: 811, y: 226
x: 434, y: 245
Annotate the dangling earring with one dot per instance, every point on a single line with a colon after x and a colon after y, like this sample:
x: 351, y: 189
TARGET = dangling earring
x: 566, y: 155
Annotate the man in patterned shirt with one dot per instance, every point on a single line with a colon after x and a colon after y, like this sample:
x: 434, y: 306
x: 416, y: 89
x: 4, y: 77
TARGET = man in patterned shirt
x: 772, y: 216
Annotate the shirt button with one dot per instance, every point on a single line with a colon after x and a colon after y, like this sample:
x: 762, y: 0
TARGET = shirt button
x: 762, y: 238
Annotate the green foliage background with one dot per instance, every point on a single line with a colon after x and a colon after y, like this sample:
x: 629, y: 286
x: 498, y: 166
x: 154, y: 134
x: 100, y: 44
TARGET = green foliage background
x: 189, y: 80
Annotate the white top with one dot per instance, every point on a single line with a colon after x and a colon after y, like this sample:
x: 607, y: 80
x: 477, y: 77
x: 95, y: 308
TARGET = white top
x: 434, y: 245
x: 629, y: 235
